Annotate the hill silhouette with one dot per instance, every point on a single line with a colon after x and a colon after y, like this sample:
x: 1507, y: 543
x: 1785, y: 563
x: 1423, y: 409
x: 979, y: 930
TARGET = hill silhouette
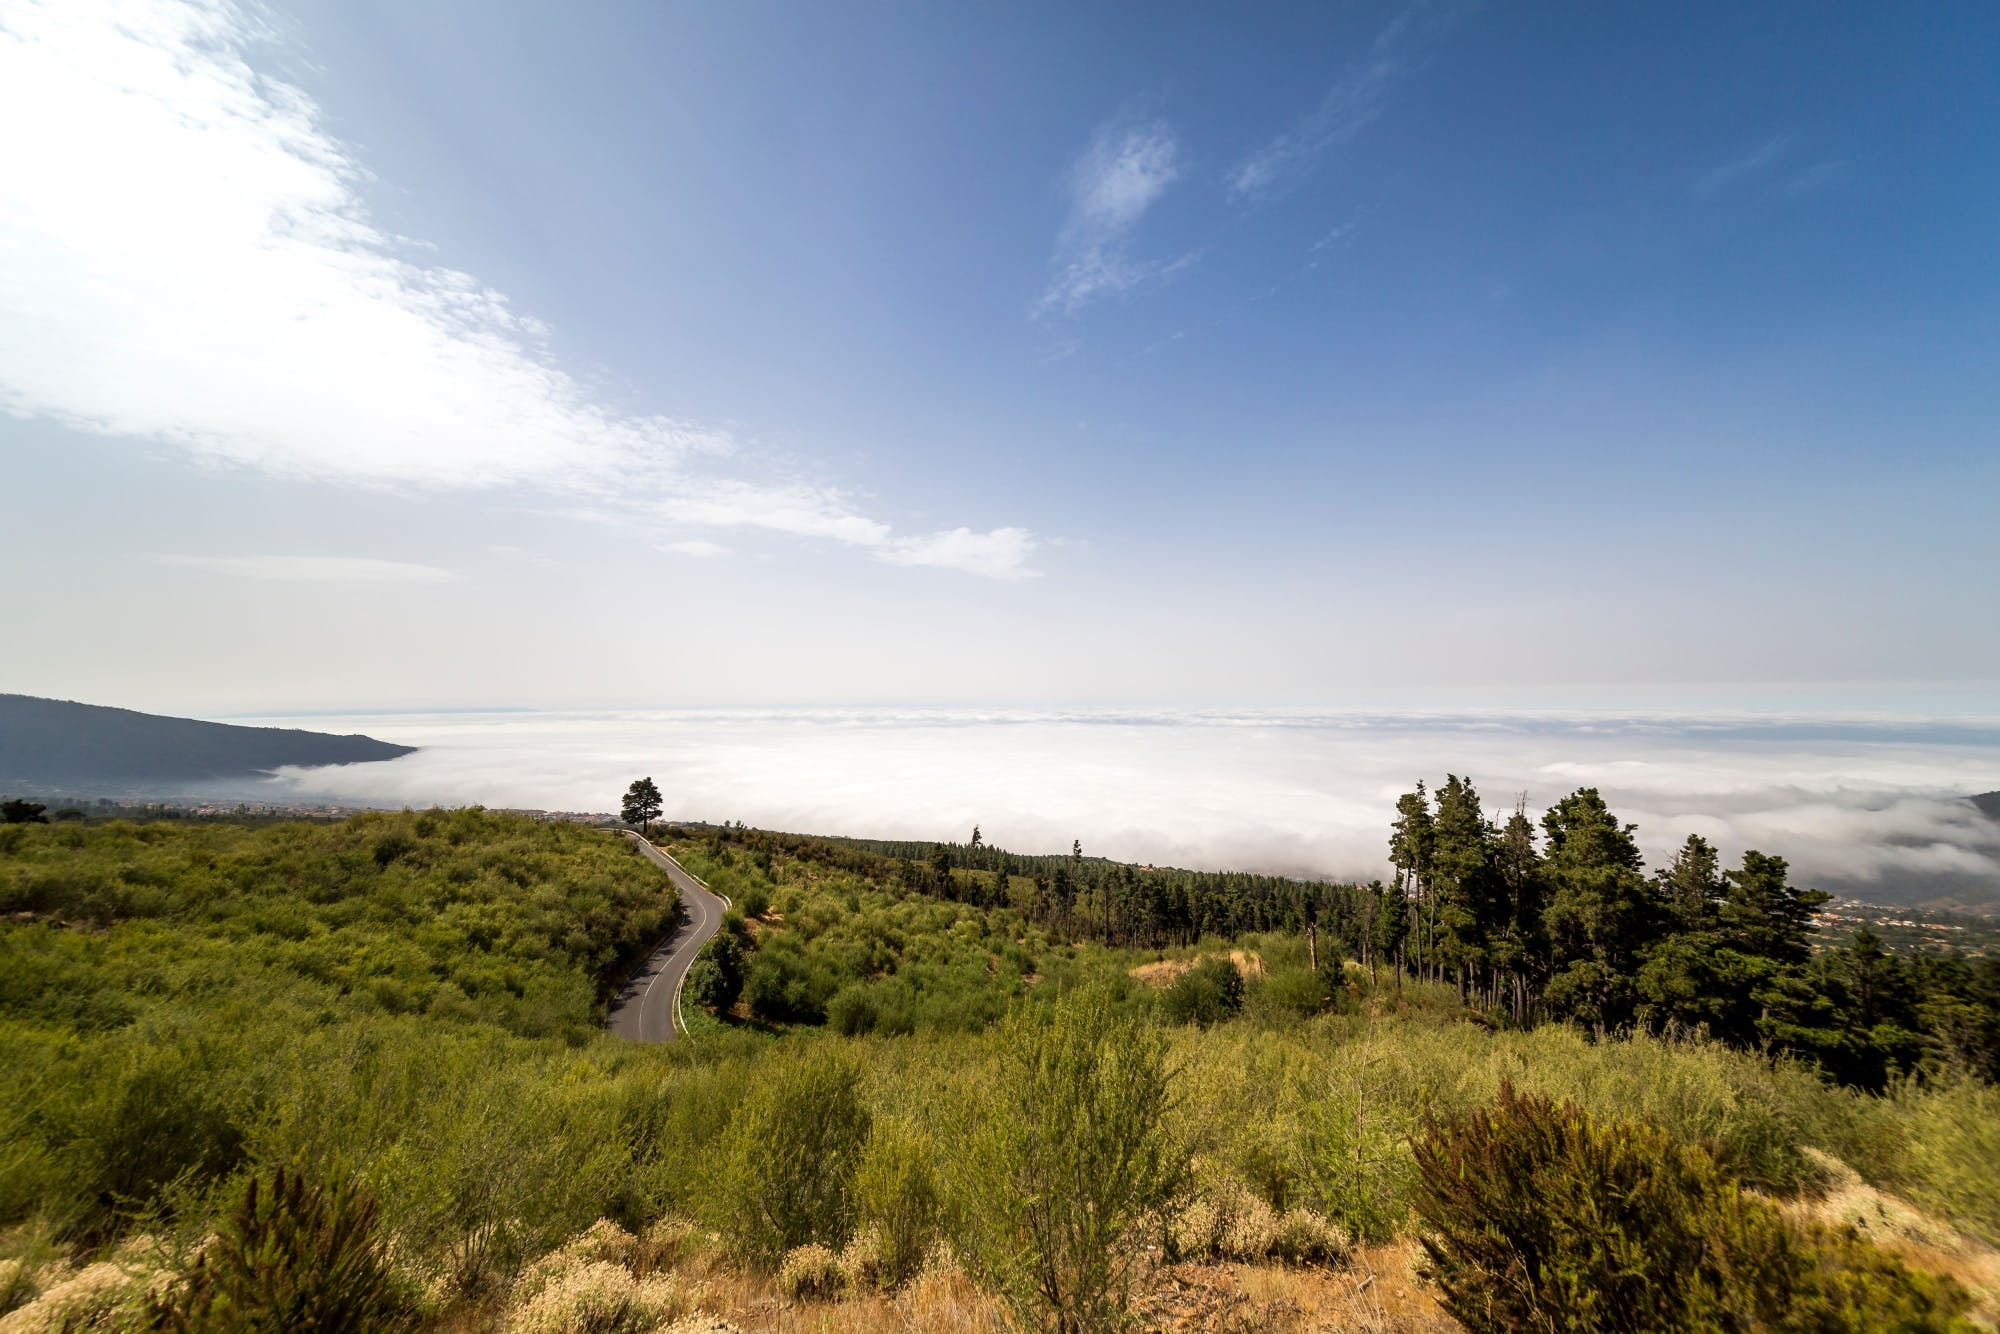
x: 50, y: 743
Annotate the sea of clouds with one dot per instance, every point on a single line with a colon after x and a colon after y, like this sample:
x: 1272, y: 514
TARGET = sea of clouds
x: 1868, y: 807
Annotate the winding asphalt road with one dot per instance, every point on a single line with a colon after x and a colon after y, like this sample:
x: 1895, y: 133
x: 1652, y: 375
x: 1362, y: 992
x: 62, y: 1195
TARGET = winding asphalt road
x: 647, y: 1008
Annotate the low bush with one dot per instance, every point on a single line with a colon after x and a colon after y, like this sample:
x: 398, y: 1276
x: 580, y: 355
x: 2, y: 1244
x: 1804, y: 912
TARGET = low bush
x: 716, y: 979
x: 103, y: 1296
x: 293, y: 1256
x: 790, y: 1156
x: 1208, y: 993
x: 811, y: 1272
x: 1538, y: 1217
x: 1303, y: 1237
x: 1222, y: 1220
x: 899, y: 1199
x: 1951, y: 1151
x: 1069, y: 1151
x: 1296, y: 993
x: 573, y: 1295
x: 755, y: 900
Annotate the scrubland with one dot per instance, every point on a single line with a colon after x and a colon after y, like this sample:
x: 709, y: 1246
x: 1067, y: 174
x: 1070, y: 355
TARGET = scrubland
x: 353, y: 1076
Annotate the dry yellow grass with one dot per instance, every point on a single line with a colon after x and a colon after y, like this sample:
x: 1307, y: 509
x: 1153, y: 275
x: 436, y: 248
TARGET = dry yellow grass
x: 1922, y: 1241
x: 1374, y: 1292
x: 1163, y: 973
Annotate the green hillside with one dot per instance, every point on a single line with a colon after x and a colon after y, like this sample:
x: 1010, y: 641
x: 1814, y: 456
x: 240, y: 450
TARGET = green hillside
x: 927, y: 1097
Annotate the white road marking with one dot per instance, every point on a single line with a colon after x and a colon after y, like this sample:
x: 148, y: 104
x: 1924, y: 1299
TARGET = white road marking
x: 705, y: 918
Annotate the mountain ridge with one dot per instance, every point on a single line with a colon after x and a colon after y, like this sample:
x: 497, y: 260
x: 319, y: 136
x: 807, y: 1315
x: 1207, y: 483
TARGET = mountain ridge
x: 52, y: 743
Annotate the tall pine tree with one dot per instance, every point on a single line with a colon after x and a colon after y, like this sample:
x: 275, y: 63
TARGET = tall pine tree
x: 1601, y: 910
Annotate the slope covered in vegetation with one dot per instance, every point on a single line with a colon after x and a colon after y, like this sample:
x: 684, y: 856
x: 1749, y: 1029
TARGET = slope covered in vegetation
x: 923, y: 1104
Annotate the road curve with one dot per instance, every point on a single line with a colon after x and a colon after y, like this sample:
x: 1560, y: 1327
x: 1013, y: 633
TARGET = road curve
x: 645, y: 1008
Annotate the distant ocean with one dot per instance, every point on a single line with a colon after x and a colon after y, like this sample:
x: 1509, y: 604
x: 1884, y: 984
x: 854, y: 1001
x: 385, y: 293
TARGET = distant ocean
x: 1863, y: 806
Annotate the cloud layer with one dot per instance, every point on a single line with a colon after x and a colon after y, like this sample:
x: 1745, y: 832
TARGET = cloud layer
x: 1117, y: 179
x: 1347, y: 108
x: 185, y: 256
x: 1869, y: 809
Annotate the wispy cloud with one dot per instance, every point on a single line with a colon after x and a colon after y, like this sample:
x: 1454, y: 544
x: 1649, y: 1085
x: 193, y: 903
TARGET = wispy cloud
x: 1117, y: 179
x: 186, y: 256
x: 1347, y: 109
x: 699, y: 549
x: 1000, y: 554
x: 1819, y: 176
x: 1744, y: 167
x: 315, y: 569
x: 1333, y: 237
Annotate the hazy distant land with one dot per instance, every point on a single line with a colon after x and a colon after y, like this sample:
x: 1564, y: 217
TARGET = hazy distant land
x: 59, y: 745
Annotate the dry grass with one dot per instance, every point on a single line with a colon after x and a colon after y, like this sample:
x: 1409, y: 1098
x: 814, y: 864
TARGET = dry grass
x: 940, y: 1298
x: 107, y: 1295
x: 1163, y: 973
x: 1919, y: 1239
x: 1176, y: 1299
x: 1374, y: 1294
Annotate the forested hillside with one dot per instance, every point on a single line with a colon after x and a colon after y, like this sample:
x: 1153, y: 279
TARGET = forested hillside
x: 1528, y: 920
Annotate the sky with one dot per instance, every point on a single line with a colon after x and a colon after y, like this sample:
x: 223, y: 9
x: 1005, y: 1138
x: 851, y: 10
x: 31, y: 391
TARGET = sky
x: 369, y: 356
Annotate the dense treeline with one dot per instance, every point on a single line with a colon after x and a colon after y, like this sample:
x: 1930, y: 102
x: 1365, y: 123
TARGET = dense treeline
x: 1534, y: 921
x: 1118, y: 904
x: 1563, y: 922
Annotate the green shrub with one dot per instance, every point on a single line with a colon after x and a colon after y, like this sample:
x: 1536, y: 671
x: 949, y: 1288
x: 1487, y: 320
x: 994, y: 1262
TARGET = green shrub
x: 898, y: 1194
x: 1952, y: 1146
x: 716, y: 979
x: 790, y: 1156
x: 293, y: 1256
x: 1069, y: 1151
x: 1208, y: 993
x: 1352, y: 1154
x: 1537, y: 1217
x: 782, y: 985
x: 121, y: 1122
x: 1297, y: 993
x: 853, y: 1011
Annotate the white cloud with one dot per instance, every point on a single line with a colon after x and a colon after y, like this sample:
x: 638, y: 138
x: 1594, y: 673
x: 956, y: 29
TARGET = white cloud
x: 699, y: 549
x: 1000, y: 554
x: 316, y: 569
x: 185, y: 256
x: 1348, y: 107
x: 1750, y: 164
x: 1118, y: 178
x: 1003, y: 553
x: 1817, y: 177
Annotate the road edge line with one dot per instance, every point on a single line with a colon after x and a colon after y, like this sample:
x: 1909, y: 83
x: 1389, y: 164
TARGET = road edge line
x: 680, y: 983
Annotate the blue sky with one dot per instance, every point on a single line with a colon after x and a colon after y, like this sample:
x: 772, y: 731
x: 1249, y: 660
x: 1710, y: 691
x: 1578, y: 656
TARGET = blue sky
x: 371, y: 354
